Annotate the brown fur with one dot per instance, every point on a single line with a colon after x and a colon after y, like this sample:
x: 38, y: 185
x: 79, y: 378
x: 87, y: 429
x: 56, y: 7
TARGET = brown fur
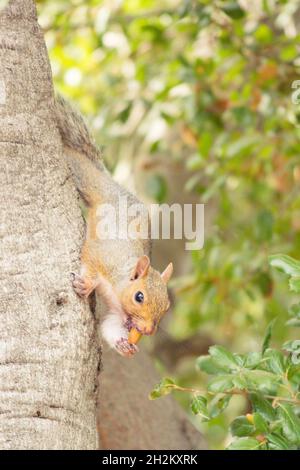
x: 117, y: 268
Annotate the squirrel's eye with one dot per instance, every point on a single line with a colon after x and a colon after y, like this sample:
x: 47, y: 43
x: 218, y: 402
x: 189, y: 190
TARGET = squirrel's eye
x: 139, y: 297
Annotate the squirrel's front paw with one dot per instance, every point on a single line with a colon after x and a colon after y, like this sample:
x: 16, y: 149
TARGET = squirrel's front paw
x: 124, y: 348
x: 82, y: 286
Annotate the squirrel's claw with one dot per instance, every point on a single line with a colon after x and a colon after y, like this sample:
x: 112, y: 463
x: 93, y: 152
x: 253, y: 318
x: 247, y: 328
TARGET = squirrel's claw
x: 125, y: 349
x: 82, y: 286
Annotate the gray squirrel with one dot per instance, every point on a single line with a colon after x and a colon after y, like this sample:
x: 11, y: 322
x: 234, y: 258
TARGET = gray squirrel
x: 118, y: 269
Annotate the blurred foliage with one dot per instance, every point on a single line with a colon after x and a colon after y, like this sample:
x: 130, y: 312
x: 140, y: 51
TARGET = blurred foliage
x: 268, y: 379
x: 208, y: 85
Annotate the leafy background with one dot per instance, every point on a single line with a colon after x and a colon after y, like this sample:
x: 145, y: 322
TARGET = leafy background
x: 203, y: 89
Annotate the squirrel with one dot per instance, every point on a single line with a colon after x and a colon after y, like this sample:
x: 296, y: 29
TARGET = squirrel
x: 118, y: 269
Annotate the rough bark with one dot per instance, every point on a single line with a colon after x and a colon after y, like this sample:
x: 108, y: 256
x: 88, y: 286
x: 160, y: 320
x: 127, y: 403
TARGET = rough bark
x: 48, y: 354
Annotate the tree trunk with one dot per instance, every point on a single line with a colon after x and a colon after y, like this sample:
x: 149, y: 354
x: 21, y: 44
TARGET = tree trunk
x: 128, y: 419
x: 49, y: 354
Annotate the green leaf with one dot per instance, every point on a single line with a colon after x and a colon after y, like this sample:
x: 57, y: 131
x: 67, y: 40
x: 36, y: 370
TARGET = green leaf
x: 268, y: 335
x: 192, y: 182
x: 263, y: 34
x: 239, y: 359
x: 277, y: 442
x: 239, y: 382
x: 294, y: 284
x: 213, y: 188
x: 252, y: 360
x: 288, y: 53
x: 208, y: 365
x: 264, y: 226
x: 194, y: 162
x: 289, y: 346
x: 244, y: 117
x: 264, y: 281
x: 262, y: 406
x: 261, y: 380
x: 290, y: 423
x: 275, y: 361
x: 240, y: 146
x: 199, y: 407
x: 219, y: 406
x: 260, y: 423
x: 233, y: 10
x: 223, y: 357
x: 240, y: 426
x: 244, y: 443
x: 221, y: 383
x: 163, y: 388
x: 156, y: 187
x: 124, y: 114
x: 293, y: 322
x: 294, y: 371
x: 293, y: 347
x: 286, y: 264
x: 294, y: 312
x: 205, y: 143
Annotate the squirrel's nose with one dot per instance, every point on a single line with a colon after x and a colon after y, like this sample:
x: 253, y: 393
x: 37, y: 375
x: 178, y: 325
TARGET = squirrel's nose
x: 149, y: 330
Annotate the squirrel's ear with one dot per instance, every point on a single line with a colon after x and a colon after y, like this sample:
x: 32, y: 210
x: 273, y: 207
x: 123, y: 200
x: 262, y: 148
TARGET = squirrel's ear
x: 166, y: 275
x: 141, y: 267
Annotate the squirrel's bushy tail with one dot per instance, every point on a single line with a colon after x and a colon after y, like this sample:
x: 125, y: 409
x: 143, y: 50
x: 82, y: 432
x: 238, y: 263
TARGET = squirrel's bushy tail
x: 83, y: 155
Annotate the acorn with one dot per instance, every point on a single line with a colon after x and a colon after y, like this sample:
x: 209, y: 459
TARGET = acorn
x: 134, y: 336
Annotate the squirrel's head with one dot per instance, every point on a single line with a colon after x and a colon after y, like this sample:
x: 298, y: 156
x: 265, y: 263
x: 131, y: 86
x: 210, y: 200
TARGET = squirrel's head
x: 145, y: 299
